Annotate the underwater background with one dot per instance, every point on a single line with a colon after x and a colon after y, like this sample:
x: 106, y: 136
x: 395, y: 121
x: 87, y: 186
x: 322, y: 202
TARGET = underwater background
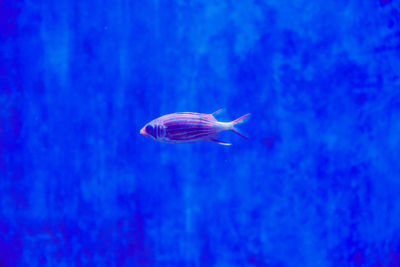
x: 317, y: 183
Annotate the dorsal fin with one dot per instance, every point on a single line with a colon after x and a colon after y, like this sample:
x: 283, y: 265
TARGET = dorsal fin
x: 218, y: 111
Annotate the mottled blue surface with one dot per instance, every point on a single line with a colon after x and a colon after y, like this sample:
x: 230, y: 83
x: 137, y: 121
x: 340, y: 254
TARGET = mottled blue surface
x: 316, y: 184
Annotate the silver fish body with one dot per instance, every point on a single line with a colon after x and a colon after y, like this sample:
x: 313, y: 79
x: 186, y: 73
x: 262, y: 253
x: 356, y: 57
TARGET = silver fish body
x: 187, y: 127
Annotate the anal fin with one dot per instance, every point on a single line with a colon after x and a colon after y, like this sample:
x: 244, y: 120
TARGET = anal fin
x: 220, y: 142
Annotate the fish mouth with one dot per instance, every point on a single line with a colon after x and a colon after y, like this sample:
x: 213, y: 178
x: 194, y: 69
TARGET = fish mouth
x: 144, y: 133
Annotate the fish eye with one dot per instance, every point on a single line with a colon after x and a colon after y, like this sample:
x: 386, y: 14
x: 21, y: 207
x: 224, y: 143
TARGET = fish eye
x: 150, y: 130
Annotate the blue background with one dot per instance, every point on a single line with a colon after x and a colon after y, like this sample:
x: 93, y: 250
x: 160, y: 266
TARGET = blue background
x: 316, y: 184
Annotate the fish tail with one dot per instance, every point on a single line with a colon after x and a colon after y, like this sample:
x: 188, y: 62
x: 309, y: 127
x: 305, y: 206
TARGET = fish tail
x: 239, y: 121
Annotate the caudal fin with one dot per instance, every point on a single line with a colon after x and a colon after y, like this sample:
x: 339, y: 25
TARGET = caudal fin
x: 239, y: 121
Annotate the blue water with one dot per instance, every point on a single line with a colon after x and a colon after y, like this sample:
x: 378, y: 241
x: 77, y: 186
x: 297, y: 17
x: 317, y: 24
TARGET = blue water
x: 317, y: 183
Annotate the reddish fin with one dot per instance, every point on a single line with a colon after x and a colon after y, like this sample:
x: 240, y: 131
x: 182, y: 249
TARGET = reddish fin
x: 218, y: 111
x: 239, y: 133
x: 240, y: 119
x: 220, y: 142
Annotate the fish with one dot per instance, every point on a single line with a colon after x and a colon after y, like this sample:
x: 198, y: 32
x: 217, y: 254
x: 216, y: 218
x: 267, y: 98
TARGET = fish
x: 188, y: 127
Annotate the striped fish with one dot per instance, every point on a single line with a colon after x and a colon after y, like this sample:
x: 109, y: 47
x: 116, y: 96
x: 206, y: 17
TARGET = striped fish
x: 186, y: 127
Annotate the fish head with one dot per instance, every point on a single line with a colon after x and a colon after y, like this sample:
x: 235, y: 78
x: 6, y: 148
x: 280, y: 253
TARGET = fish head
x: 154, y: 130
x: 150, y: 131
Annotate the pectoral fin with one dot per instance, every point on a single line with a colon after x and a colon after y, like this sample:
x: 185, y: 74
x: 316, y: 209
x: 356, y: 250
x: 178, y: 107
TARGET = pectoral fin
x: 220, y: 142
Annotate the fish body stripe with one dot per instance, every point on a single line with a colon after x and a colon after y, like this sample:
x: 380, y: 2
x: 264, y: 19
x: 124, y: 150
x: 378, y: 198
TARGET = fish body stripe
x: 190, y: 137
x: 188, y: 114
x: 182, y: 125
x: 188, y: 126
x: 189, y: 118
x: 190, y: 132
x: 187, y: 132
